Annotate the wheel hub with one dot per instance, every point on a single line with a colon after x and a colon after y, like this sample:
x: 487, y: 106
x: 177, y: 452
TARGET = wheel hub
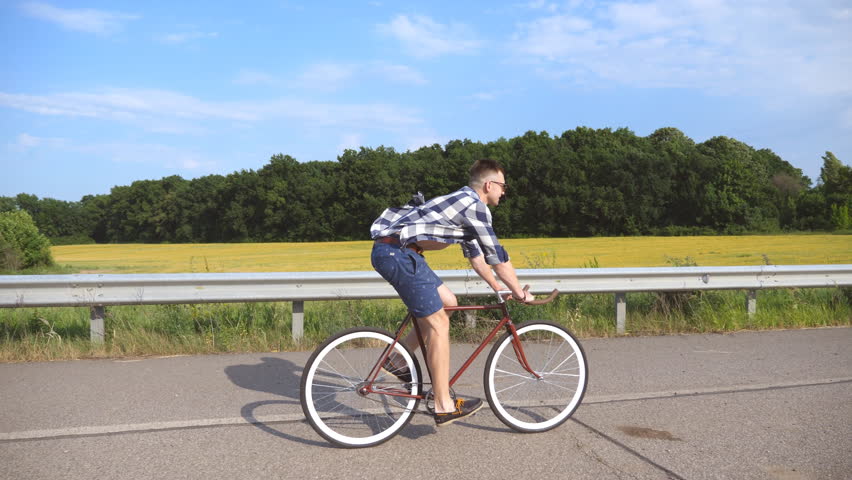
x: 361, y: 389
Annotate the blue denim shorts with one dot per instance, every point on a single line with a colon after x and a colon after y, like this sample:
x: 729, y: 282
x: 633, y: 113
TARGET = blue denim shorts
x: 408, y: 273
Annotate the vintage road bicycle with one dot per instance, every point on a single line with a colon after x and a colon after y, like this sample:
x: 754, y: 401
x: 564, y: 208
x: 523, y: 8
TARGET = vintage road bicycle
x: 535, y: 378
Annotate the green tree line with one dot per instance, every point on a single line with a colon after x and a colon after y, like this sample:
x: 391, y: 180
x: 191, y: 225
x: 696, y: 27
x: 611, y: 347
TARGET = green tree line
x: 585, y: 182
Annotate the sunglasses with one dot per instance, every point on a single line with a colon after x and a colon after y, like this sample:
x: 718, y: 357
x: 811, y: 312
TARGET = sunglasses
x: 504, y: 186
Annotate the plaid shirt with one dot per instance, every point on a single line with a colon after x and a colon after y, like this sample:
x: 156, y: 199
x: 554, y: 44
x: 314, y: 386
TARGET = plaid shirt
x: 459, y: 217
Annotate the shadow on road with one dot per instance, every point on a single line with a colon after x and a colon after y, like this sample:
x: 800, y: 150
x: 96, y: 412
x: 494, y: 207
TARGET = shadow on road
x: 247, y: 412
x: 282, y: 377
x: 273, y: 375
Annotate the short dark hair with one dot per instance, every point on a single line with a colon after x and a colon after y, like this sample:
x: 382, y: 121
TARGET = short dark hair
x: 482, y: 168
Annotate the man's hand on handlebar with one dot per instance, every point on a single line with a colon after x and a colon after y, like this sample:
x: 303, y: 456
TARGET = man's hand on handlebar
x: 507, y: 294
x: 526, y: 298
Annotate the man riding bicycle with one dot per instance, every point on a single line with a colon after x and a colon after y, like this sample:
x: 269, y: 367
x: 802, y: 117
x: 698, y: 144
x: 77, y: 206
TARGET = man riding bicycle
x: 402, y: 235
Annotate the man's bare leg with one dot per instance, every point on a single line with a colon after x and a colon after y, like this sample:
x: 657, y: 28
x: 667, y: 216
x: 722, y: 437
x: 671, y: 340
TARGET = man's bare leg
x: 449, y: 300
x: 437, y: 332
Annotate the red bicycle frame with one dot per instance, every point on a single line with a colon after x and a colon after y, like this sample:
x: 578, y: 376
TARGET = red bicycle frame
x: 505, y: 322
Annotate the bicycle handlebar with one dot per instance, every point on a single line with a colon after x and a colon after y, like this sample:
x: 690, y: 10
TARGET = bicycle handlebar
x: 504, y: 294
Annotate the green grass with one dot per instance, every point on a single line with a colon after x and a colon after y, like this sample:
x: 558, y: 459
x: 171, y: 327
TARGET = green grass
x: 35, y: 334
x: 43, y: 270
x: 30, y: 334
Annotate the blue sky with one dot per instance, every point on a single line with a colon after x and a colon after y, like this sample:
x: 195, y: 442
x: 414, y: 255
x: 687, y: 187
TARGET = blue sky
x: 95, y: 94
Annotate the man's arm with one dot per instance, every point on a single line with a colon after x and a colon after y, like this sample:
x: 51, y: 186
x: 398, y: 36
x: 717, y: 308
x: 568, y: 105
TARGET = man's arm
x: 490, y: 254
x: 484, y: 270
x: 507, y: 275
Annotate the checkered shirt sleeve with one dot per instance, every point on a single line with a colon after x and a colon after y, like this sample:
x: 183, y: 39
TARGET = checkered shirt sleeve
x: 384, y: 226
x: 459, y: 217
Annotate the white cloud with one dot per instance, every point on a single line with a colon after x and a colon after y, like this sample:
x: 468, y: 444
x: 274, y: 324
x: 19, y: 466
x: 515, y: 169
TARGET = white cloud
x: 350, y: 141
x: 416, y: 142
x: 25, y: 141
x: 556, y: 38
x: 315, y: 114
x: 399, y: 74
x: 639, y: 17
x: 330, y: 77
x: 326, y: 76
x: 185, y: 37
x: 83, y: 20
x: 126, y: 105
x: 253, y: 77
x: 171, y: 112
x: 173, y: 158
x: 846, y: 118
x: 487, y: 96
x: 542, y: 5
x: 484, y: 96
x: 423, y: 37
x: 143, y: 153
x: 190, y: 162
x: 721, y: 46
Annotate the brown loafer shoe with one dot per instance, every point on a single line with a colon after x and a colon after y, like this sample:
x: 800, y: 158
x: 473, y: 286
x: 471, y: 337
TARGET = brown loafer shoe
x: 464, y: 408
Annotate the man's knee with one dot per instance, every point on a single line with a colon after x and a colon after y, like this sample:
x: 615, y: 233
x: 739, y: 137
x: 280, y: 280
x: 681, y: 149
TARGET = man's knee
x: 438, y: 321
x: 448, y: 297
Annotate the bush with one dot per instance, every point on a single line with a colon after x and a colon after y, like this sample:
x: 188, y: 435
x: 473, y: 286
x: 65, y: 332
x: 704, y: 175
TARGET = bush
x: 840, y: 219
x: 670, y: 303
x: 78, y: 239
x: 21, y: 244
x: 683, y: 231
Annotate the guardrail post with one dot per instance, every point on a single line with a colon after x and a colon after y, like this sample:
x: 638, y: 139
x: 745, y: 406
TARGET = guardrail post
x: 96, y: 324
x: 298, y: 320
x: 751, y: 302
x: 469, y: 320
x: 620, y: 312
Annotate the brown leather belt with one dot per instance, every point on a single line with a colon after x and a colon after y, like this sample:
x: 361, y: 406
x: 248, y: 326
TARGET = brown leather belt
x: 395, y: 241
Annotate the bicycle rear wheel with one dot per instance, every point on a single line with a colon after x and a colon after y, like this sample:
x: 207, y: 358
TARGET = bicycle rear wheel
x: 331, y: 394
x: 520, y: 399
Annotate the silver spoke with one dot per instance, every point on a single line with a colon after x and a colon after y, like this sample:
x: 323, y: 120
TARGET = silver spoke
x: 334, y: 407
x: 340, y: 353
x: 536, y: 403
x: 333, y: 372
x: 512, y: 374
x: 511, y: 387
x: 559, y: 386
x: 563, y: 362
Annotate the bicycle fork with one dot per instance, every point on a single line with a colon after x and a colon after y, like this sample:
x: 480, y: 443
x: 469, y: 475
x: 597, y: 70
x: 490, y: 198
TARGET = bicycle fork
x: 519, y: 350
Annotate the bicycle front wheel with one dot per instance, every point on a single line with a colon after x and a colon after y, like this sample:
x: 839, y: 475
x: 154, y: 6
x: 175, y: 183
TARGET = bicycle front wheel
x: 540, y: 402
x: 332, y: 394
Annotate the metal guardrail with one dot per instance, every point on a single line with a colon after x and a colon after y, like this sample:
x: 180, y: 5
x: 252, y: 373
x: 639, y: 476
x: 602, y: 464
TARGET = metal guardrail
x: 99, y: 290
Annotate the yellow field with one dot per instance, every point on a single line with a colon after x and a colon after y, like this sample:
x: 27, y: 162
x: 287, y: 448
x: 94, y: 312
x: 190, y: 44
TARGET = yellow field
x: 526, y: 253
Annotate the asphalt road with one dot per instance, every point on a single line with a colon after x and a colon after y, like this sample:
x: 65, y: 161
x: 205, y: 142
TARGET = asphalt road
x: 767, y: 405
